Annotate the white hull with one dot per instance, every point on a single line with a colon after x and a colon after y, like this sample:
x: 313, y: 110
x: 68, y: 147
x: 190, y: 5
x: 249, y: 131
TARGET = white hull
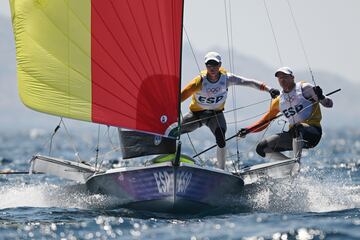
x: 71, y: 170
x: 271, y: 170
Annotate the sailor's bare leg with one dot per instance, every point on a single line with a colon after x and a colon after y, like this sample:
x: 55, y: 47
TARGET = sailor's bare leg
x: 297, y: 144
x: 221, y: 154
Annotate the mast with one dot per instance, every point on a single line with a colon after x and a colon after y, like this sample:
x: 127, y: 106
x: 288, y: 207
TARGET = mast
x: 178, y: 148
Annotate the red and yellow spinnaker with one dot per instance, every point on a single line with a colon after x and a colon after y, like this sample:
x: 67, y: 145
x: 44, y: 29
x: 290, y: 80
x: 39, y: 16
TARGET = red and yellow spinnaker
x: 115, y: 62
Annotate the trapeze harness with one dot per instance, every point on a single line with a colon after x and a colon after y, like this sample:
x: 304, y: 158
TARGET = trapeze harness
x: 212, y: 95
x: 208, y: 104
x: 297, y: 109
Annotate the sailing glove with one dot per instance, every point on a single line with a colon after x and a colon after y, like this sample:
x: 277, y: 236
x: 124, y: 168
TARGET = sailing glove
x: 242, y: 132
x: 274, y: 92
x: 319, y: 93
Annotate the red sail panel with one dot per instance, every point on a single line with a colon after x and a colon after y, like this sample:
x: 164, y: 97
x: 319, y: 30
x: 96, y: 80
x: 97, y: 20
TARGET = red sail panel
x: 136, y: 51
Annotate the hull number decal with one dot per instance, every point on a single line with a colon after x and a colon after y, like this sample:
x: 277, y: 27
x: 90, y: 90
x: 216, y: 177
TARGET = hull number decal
x: 164, y: 181
x: 183, y: 180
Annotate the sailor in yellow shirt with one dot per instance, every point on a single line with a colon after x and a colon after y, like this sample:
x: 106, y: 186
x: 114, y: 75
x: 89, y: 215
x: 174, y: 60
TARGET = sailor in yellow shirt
x: 299, y: 103
x: 209, y: 92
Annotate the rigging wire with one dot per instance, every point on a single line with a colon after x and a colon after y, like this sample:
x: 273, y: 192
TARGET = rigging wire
x: 275, y: 40
x: 229, y: 36
x: 267, y: 128
x: 273, y: 33
x: 193, y: 146
x: 199, y: 70
x: 109, y: 138
x: 249, y: 118
x: 252, y: 147
x: 231, y: 39
x: 103, y: 155
x: 99, y: 163
x: 192, y: 50
x: 299, y: 37
x: 268, y: 122
x: 52, y: 136
x: 229, y: 111
x: 97, y: 147
x: 278, y: 53
x: 249, y: 105
x: 228, y: 17
x: 72, y: 142
x: 301, y: 42
x: 99, y: 158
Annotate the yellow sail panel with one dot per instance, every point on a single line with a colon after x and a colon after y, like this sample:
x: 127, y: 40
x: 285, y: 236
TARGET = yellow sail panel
x: 53, y: 52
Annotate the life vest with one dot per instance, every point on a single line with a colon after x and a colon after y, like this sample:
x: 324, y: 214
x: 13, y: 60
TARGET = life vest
x: 297, y: 109
x: 212, y: 95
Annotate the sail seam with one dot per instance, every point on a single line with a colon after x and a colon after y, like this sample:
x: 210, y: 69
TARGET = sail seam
x: 129, y: 39
x: 120, y: 48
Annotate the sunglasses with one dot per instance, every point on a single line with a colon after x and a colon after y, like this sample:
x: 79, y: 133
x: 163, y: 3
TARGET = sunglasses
x: 212, y: 63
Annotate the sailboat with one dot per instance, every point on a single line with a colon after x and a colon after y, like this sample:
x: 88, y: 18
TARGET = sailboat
x: 118, y: 63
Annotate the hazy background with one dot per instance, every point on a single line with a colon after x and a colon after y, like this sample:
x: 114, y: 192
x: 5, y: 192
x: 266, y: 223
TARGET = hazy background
x: 329, y: 30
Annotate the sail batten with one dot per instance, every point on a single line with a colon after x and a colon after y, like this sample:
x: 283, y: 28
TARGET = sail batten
x: 115, y: 62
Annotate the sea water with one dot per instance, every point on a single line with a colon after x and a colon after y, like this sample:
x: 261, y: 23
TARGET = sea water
x: 322, y: 202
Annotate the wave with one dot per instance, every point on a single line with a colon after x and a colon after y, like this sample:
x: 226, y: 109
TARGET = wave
x: 45, y: 195
x: 312, y: 190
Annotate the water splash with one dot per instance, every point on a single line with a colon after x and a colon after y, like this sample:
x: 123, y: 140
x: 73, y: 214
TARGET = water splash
x: 47, y: 195
x: 311, y: 191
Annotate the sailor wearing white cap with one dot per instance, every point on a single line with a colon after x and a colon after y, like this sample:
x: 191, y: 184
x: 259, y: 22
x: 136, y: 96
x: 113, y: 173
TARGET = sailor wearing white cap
x: 209, y: 92
x: 299, y: 103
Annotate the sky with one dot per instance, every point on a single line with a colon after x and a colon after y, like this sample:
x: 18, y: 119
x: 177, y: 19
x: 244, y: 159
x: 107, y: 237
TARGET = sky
x: 326, y: 30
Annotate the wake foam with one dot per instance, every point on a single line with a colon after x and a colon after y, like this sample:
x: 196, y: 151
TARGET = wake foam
x: 310, y: 191
x: 51, y: 195
x: 314, y: 191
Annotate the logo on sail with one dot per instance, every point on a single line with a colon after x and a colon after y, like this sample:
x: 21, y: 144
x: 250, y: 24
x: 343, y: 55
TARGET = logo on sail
x: 163, y: 119
x: 157, y: 140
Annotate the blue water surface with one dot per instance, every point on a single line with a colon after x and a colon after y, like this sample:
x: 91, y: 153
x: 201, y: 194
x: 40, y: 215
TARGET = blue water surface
x: 322, y: 202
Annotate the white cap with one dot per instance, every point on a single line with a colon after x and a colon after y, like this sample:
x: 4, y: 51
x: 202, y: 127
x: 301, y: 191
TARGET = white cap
x: 213, y: 56
x: 285, y: 70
